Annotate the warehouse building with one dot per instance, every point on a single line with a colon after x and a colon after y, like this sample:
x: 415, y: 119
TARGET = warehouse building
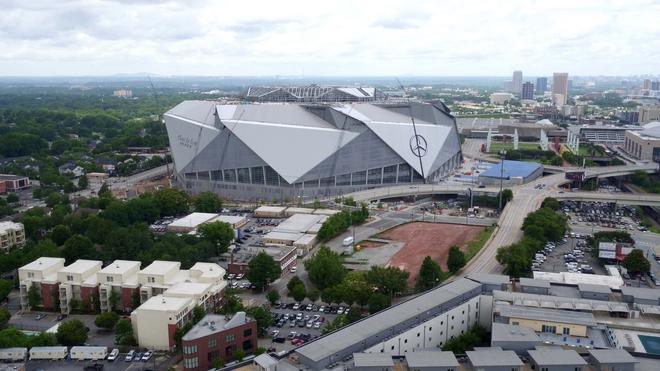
x: 532, y: 286
x: 285, y: 256
x: 511, y: 173
x: 556, y: 359
x: 300, y: 152
x: 191, y: 222
x: 594, y: 292
x: 516, y: 338
x: 644, y: 144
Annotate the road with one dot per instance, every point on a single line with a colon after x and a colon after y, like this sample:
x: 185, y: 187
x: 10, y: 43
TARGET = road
x: 619, y: 198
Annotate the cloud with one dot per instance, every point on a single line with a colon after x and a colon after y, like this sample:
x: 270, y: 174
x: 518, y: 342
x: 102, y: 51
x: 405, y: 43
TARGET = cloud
x: 344, y: 37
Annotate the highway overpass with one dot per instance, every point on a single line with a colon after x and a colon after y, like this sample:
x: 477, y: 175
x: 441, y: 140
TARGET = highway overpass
x: 618, y: 198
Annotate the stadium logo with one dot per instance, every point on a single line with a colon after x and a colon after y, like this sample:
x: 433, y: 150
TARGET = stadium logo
x: 187, y: 142
x: 418, y: 145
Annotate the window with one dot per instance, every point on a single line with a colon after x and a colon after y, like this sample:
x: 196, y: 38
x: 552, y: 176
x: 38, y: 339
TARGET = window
x: 578, y: 369
x: 418, y: 334
x: 272, y: 178
x: 389, y: 174
x: 549, y: 329
x: 247, y: 345
x: 151, y: 279
x: 515, y: 323
x: 110, y: 278
x: 230, y: 175
x: 231, y: 337
x: 244, y: 175
x: 30, y: 274
x: 404, y: 173
x: 69, y: 278
x: 375, y: 176
x: 566, y: 331
x: 328, y: 182
x: 359, y: 178
x: 216, y: 175
x: 247, y: 332
x: 430, y: 328
x: 392, y: 347
x: 344, y: 180
x: 405, y: 341
x: 191, y: 362
x: 203, y: 175
x: 213, y: 343
x: 544, y: 369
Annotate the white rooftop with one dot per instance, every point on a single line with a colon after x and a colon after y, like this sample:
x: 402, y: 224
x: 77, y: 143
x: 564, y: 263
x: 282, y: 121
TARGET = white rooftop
x: 208, y: 270
x: 193, y: 220
x: 578, y: 278
x: 305, y: 239
x: 165, y: 303
x: 120, y: 266
x: 229, y: 219
x: 160, y: 267
x: 285, y: 236
x: 42, y: 263
x: 299, y: 223
x: 4, y: 226
x: 187, y: 288
x: 270, y: 209
x: 81, y: 266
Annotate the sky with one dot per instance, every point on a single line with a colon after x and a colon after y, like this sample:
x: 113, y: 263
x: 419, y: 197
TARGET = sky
x: 329, y: 38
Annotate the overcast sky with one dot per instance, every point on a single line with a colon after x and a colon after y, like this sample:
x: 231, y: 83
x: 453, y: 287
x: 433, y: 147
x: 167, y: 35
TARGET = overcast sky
x: 348, y: 38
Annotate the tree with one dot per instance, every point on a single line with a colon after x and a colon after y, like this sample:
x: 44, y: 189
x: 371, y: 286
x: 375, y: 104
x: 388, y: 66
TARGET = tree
x: 113, y: 300
x: 83, y: 182
x: 636, y: 262
x: 515, y: 259
x: 5, y: 289
x: 390, y: 281
x: 430, y: 275
x: 4, y: 317
x: 313, y: 295
x: 72, y: 332
x: 331, y: 295
x: 78, y: 247
x: 263, y: 270
x: 34, y: 298
x: 551, y: 203
x: 198, y: 313
x: 354, y: 314
x: 475, y: 336
x: 207, y: 202
x: 273, y: 296
x: 60, y: 234
x: 106, y: 320
x: 298, y: 292
x: 294, y: 281
x: 124, y: 332
x: 232, y: 304
x: 12, y: 198
x: 239, y: 355
x: 326, y: 268
x: 218, y: 233
x: 263, y: 317
x: 171, y: 201
x: 456, y: 259
x: 378, y: 302
x: 355, y: 288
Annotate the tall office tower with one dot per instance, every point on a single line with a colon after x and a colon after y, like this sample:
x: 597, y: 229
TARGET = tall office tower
x: 516, y: 83
x: 560, y: 88
x: 646, y: 85
x: 541, y: 85
x: 527, y: 90
x: 655, y: 85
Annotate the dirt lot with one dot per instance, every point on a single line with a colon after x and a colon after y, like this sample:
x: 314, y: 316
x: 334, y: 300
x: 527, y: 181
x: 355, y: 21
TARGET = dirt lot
x: 422, y: 239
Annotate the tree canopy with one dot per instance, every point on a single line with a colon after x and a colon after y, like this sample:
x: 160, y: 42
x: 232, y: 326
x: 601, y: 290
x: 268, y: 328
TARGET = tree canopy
x: 326, y: 268
x: 455, y: 259
x: 430, y: 275
x: 636, y: 262
x: 263, y: 270
x: 72, y: 332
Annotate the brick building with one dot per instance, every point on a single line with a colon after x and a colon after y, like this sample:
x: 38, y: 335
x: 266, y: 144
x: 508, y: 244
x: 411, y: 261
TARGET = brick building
x: 218, y: 337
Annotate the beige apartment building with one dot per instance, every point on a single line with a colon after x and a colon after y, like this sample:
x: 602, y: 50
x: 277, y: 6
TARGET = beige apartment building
x: 11, y: 235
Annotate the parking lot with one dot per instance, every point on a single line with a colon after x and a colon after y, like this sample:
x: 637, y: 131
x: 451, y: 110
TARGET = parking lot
x: 158, y: 362
x: 602, y: 214
x: 297, y: 323
x: 569, y: 255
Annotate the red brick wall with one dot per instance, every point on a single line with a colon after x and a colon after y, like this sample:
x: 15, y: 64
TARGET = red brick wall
x: 86, y: 294
x: 237, y: 268
x: 203, y: 349
x: 3, y: 187
x: 126, y: 301
x: 171, y: 329
x: 48, y: 295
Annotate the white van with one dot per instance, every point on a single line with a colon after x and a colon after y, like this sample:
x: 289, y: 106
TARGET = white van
x: 348, y: 241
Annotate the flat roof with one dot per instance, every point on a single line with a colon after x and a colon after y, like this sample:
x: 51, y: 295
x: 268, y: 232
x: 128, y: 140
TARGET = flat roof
x: 192, y: 220
x: 52, y: 349
x: 213, y: 323
x: 188, y: 288
x: 88, y: 348
x: 488, y: 278
x: 305, y: 239
x: 373, y: 360
x: 534, y: 282
x: 612, y: 356
x: 160, y: 267
x: 556, y: 357
x: 209, y: 270
x: 588, y: 287
x: 299, y: 210
x: 270, y: 209
x: 327, y: 212
x: 493, y: 357
x: 229, y: 219
x: 431, y: 359
x: 550, y: 315
x: 569, y: 278
x: 80, y: 266
x: 641, y: 293
x: 345, y: 337
x: 513, y: 169
x: 42, y: 263
x: 284, y: 236
x: 11, y: 177
x: 165, y: 303
x: 120, y: 266
x: 505, y: 332
x: 299, y: 223
x: 10, y: 225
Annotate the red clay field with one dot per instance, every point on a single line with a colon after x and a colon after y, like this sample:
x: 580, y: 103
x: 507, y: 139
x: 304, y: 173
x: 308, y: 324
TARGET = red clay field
x: 427, y: 239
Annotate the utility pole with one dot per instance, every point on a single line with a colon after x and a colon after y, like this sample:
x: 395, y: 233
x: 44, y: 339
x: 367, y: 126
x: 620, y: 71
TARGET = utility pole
x: 503, y: 153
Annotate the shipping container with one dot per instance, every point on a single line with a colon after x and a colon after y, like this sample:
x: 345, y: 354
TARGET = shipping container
x: 92, y: 353
x: 13, y: 354
x: 48, y: 353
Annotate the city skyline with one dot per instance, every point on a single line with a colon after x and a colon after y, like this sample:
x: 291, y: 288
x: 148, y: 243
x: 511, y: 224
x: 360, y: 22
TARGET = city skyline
x: 204, y: 38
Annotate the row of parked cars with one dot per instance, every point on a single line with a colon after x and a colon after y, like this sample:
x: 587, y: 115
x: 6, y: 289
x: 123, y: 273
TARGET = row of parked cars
x: 133, y: 356
x: 301, y: 320
x: 330, y: 309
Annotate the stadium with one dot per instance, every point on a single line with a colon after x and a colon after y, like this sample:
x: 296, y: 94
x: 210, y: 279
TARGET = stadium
x: 299, y: 152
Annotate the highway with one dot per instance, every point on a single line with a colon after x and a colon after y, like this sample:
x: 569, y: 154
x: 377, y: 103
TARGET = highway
x: 619, y: 198
x: 525, y: 200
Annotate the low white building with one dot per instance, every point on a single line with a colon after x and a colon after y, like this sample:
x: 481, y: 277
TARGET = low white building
x: 11, y: 235
x: 157, y: 319
x: 500, y: 98
x: 78, y: 281
x: 121, y: 278
x: 42, y: 273
x: 191, y: 222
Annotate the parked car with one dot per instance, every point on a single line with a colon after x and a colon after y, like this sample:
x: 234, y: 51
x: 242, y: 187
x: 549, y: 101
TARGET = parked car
x: 113, y: 355
x: 129, y: 356
x: 147, y: 355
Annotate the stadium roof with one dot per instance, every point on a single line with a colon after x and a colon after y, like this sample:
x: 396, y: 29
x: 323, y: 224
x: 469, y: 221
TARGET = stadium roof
x: 512, y: 169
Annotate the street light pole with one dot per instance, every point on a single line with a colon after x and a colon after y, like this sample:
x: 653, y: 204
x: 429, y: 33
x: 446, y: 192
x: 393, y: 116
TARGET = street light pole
x: 503, y: 153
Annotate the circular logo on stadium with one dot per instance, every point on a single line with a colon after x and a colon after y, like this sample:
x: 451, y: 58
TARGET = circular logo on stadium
x: 418, y: 145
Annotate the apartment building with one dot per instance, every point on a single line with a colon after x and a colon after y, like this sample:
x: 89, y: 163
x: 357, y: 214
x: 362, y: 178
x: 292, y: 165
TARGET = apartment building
x: 157, y: 319
x: 118, y: 284
x: 42, y: 273
x: 218, y: 337
x: 11, y: 235
x: 78, y: 281
x: 160, y: 276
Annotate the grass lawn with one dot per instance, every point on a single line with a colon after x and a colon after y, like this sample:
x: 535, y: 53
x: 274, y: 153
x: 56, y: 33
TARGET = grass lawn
x: 476, y: 245
x: 497, y: 146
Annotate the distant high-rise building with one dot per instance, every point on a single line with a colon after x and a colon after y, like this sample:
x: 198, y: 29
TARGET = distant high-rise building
x: 647, y: 84
x: 541, y: 85
x: 516, y: 83
x: 559, y: 88
x: 527, y: 90
x: 655, y: 85
x: 123, y: 93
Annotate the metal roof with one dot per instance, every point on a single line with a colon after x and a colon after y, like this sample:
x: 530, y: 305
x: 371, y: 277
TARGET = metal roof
x: 504, y: 332
x: 558, y: 316
x: 513, y: 169
x: 493, y: 357
x: 431, y: 359
x: 487, y: 278
x: 641, y: 293
x: 556, y: 357
x: 373, y: 360
x: 587, y: 287
x: 359, y: 331
x: 534, y: 282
